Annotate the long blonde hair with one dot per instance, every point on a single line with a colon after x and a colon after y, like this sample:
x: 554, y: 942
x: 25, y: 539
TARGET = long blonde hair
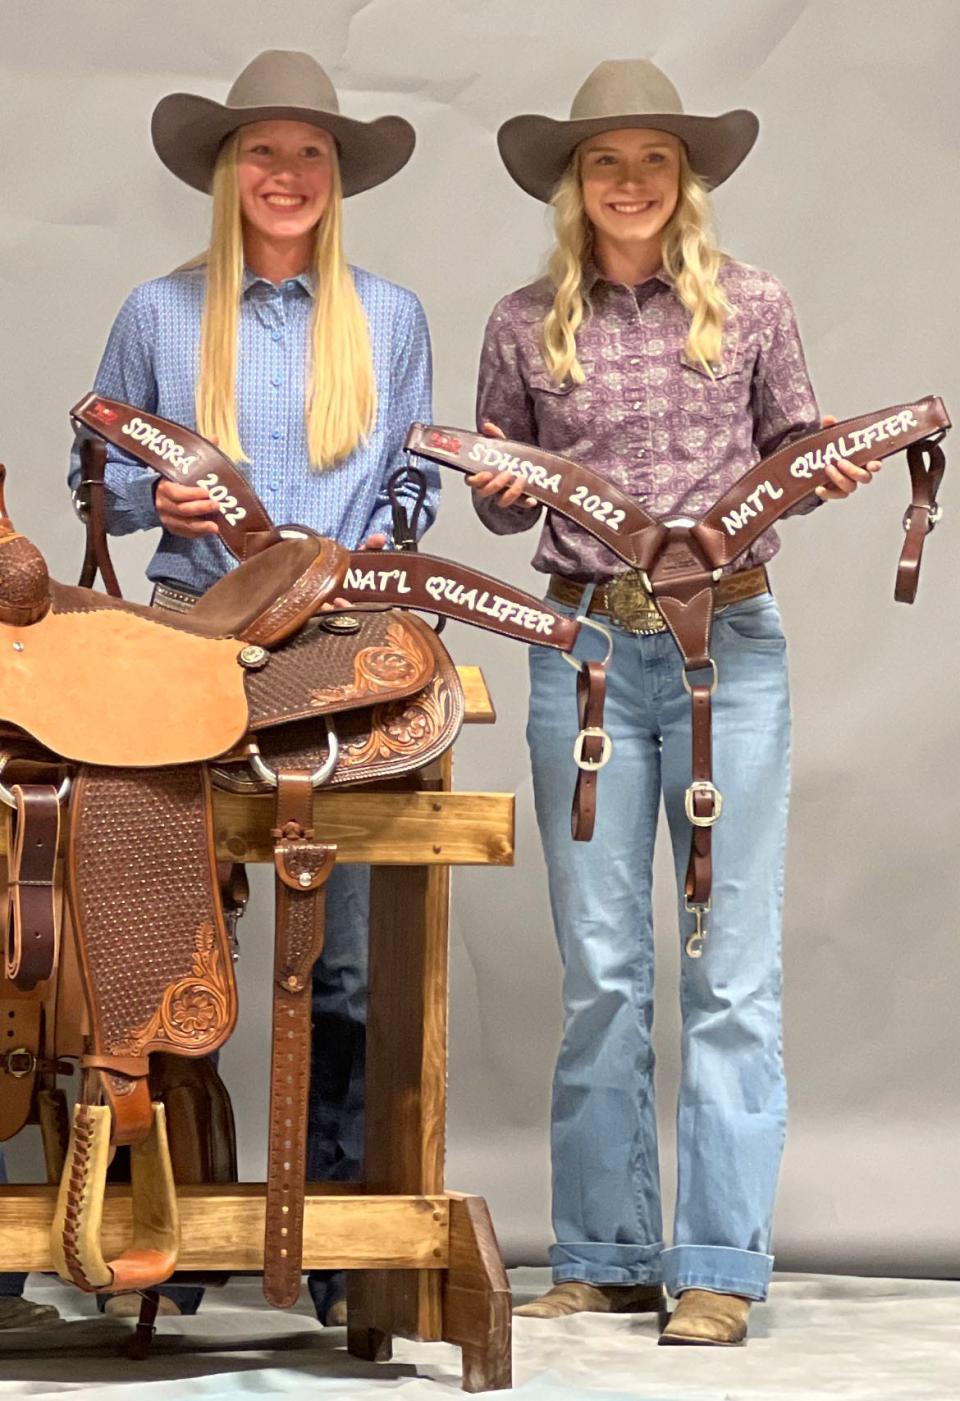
x: 341, y: 393
x: 690, y: 256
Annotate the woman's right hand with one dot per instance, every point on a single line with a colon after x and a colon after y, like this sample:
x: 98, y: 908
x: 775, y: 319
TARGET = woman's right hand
x: 505, y: 488
x: 185, y: 510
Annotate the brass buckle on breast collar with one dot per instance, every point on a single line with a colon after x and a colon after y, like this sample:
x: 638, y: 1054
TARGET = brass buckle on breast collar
x: 631, y: 604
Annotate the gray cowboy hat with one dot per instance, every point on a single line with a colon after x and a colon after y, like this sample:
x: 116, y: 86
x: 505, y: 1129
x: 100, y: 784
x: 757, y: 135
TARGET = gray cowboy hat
x: 188, y: 131
x: 628, y: 92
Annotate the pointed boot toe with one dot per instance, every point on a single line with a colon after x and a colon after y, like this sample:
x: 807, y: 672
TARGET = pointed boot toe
x: 705, y: 1319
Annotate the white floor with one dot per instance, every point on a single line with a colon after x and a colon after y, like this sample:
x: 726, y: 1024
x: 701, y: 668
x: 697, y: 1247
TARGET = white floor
x: 819, y: 1336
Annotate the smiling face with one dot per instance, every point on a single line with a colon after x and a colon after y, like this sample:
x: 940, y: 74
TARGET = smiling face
x: 284, y: 179
x: 631, y: 182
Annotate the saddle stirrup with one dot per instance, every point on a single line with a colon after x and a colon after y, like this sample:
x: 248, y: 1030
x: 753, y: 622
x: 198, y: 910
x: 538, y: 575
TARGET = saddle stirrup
x: 75, y: 1243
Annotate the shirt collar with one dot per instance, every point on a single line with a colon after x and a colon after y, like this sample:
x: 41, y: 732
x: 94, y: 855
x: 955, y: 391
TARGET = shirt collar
x: 592, y: 275
x: 305, y: 280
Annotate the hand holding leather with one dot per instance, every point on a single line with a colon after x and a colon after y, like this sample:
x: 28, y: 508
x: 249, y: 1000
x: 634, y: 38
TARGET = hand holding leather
x: 507, y: 488
x: 844, y: 476
x: 185, y: 510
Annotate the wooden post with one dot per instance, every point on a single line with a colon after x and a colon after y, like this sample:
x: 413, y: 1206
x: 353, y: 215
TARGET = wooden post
x: 476, y: 1297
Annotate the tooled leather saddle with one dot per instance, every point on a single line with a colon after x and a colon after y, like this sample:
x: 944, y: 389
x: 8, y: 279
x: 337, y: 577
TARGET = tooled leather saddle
x: 116, y: 722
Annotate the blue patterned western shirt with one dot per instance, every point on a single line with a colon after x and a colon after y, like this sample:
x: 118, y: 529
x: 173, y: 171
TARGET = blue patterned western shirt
x: 151, y: 360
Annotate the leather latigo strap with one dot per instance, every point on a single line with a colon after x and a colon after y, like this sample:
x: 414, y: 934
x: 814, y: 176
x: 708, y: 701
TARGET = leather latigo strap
x: 441, y: 586
x: 23, y: 1017
x: 183, y: 456
x: 794, y: 472
x: 567, y: 488
x: 33, y: 909
x: 927, y: 464
x: 303, y: 866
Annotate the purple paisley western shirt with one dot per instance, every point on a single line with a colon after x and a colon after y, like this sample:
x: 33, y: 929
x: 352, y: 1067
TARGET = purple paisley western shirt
x: 646, y: 419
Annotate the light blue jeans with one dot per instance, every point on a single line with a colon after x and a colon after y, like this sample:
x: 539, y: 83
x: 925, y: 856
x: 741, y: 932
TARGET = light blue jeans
x: 732, y: 1101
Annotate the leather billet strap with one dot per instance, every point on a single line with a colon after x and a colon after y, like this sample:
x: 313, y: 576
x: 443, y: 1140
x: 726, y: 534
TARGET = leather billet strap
x: 180, y: 455
x: 33, y: 908
x: 567, y: 488
x: 703, y: 804
x: 592, y: 749
x: 88, y: 499
x: 927, y: 464
x: 22, y: 1022
x: 303, y: 866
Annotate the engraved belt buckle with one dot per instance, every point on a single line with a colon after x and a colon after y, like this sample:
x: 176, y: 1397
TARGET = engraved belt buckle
x: 631, y: 604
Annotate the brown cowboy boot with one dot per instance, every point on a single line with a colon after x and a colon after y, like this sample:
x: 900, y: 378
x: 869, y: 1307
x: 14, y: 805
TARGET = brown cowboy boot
x: 17, y: 1312
x: 707, y: 1319
x: 577, y: 1297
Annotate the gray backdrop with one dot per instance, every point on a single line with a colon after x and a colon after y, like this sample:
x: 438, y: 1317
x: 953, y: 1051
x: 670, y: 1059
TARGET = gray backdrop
x: 852, y: 198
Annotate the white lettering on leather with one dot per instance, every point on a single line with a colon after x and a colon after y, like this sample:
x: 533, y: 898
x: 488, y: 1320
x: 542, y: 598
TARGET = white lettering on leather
x: 157, y: 442
x: 497, y: 461
x: 859, y: 440
x: 376, y: 580
x: 752, y: 506
x: 489, y: 605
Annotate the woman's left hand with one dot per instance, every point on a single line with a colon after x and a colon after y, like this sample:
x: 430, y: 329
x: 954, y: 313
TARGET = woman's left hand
x: 844, y: 476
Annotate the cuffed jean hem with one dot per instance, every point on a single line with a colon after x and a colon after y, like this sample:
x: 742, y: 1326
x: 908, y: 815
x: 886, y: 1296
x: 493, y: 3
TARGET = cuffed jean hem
x: 595, y: 1263
x: 719, y: 1268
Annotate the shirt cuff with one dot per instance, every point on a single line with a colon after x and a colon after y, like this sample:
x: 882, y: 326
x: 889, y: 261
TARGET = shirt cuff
x: 133, y: 508
x: 506, y: 520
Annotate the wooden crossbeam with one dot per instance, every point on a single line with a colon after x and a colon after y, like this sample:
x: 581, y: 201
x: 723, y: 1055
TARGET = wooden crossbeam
x: 385, y: 829
x: 222, y: 1228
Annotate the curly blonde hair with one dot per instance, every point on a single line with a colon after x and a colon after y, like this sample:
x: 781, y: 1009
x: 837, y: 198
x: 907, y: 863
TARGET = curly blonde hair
x: 341, y: 396
x: 689, y: 254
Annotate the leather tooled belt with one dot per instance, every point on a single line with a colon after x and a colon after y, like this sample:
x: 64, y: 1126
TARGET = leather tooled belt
x: 627, y: 603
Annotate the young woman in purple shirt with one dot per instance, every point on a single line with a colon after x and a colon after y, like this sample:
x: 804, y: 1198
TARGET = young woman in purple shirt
x: 668, y: 368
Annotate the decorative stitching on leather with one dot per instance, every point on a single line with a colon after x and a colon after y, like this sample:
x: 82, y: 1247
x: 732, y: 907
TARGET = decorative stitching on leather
x: 78, y: 1195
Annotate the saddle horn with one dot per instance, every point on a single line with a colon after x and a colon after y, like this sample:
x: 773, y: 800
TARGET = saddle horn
x: 24, y: 581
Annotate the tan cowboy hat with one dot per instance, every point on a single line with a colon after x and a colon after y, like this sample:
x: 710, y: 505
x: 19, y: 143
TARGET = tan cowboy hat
x: 188, y: 131
x: 623, y: 92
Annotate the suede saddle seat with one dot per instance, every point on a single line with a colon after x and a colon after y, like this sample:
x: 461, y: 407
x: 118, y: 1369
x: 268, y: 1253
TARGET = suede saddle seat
x: 100, y: 680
